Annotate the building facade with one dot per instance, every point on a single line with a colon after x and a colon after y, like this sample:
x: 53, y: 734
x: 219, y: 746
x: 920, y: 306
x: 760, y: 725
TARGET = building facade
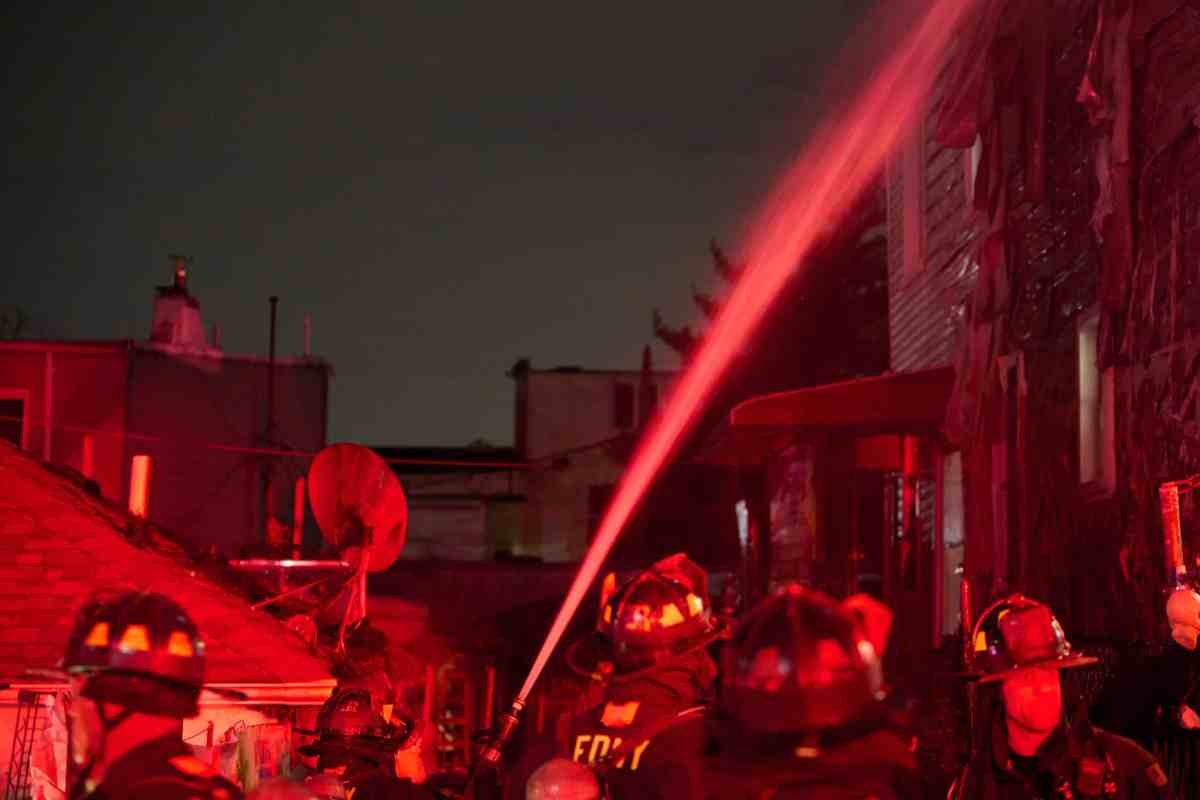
x: 464, y: 503
x: 1063, y: 263
x: 576, y: 428
x: 200, y: 414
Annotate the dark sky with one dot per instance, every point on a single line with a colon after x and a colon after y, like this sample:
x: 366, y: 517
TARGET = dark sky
x: 445, y: 187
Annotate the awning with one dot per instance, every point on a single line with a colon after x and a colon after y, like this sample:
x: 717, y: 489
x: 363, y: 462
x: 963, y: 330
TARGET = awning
x: 896, y: 402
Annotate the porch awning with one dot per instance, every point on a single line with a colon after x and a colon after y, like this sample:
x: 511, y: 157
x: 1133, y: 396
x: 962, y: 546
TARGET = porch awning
x: 892, y: 403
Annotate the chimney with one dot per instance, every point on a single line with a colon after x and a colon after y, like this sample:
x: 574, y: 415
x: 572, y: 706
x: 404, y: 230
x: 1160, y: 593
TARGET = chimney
x: 177, y: 320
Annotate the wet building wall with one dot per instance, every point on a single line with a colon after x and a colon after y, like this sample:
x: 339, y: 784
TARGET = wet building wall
x: 1075, y: 345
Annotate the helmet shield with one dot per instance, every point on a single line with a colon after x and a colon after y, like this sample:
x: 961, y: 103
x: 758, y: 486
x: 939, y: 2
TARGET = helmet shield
x: 659, y: 615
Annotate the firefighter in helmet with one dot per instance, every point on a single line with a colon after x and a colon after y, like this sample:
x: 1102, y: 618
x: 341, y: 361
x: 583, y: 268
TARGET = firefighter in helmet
x: 135, y: 664
x: 648, y: 655
x: 362, y: 749
x: 802, y: 710
x: 1027, y: 745
x: 563, y: 779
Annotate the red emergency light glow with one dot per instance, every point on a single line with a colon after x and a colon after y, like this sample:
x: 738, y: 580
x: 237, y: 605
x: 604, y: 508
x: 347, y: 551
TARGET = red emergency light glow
x: 298, y: 517
x: 139, y: 486
x: 835, y: 167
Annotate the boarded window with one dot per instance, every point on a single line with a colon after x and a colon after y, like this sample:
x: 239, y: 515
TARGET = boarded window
x: 623, y: 406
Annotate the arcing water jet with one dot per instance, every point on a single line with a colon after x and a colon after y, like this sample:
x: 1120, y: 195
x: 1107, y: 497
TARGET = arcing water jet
x: 835, y: 167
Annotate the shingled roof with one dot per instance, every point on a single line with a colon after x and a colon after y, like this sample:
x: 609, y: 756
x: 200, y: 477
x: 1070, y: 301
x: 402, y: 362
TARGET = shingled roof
x: 58, y: 544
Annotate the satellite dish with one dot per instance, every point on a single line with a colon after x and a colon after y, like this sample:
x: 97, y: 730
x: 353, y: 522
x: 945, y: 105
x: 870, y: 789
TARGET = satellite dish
x: 359, y: 505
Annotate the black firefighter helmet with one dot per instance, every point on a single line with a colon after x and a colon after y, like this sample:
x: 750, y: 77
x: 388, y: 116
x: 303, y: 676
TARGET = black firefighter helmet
x: 662, y: 614
x: 799, y: 663
x: 350, y: 727
x: 1019, y: 633
x: 140, y: 650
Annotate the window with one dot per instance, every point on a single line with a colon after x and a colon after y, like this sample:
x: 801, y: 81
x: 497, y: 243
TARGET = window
x: 1097, y: 450
x: 623, y: 406
x: 14, y: 416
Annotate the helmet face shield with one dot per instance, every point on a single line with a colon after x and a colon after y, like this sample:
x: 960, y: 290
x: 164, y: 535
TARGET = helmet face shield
x: 659, y: 615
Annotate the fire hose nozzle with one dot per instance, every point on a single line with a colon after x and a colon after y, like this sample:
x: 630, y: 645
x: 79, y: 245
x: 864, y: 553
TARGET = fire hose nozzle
x: 492, y: 751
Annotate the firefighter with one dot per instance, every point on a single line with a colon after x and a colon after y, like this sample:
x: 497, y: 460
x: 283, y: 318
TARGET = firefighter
x: 135, y: 664
x: 367, y: 753
x: 802, y: 709
x: 1155, y: 702
x: 562, y: 779
x: 364, y: 663
x: 648, y: 656
x: 1027, y: 746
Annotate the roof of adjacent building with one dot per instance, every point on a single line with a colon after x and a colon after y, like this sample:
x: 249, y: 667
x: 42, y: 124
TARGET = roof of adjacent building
x: 58, y: 544
x: 451, y: 459
x: 115, y: 345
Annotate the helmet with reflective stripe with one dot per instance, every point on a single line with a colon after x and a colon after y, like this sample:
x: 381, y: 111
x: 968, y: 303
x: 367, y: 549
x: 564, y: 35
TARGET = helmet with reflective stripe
x: 1018, y: 633
x: 141, y: 650
x: 350, y: 727
x: 799, y: 663
x: 659, y: 615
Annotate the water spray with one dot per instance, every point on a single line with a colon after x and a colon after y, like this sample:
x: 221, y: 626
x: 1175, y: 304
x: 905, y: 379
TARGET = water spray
x: 835, y: 168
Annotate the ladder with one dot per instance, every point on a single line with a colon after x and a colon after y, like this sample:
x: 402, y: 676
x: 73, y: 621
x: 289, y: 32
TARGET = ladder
x: 30, y: 722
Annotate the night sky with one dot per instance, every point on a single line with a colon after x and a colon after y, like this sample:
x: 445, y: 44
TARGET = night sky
x: 445, y: 187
